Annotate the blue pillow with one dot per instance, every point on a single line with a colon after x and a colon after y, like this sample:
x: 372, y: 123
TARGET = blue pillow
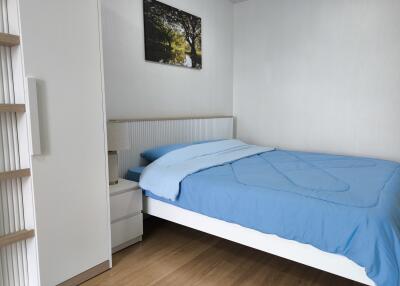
x: 134, y: 174
x: 156, y: 153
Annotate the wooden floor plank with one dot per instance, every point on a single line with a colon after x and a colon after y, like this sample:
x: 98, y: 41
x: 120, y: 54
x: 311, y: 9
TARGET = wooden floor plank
x: 173, y: 255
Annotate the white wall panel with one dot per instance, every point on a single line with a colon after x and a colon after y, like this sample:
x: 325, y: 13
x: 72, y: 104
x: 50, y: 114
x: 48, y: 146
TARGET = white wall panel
x: 319, y: 75
x: 139, y: 89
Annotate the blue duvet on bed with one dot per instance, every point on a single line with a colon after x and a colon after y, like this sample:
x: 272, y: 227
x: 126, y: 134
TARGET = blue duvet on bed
x: 339, y: 204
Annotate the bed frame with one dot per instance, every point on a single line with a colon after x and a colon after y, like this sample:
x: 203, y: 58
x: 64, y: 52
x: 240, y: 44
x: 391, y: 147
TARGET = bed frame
x: 149, y: 133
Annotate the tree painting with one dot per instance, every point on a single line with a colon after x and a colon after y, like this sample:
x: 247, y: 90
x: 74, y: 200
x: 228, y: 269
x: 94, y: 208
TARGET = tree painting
x: 172, y: 36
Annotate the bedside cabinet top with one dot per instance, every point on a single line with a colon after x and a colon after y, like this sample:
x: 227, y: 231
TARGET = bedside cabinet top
x: 123, y: 186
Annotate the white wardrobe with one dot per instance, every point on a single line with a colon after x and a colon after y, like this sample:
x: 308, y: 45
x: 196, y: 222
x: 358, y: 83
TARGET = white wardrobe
x: 61, y: 48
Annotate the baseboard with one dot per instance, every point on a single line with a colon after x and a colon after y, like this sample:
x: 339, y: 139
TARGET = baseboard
x: 126, y: 244
x: 88, y: 274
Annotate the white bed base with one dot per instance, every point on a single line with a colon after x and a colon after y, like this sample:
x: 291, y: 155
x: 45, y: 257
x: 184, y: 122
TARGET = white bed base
x: 289, y: 249
x: 146, y: 134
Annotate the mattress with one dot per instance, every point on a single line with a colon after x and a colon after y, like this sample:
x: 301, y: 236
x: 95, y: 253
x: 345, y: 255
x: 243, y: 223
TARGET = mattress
x: 339, y: 204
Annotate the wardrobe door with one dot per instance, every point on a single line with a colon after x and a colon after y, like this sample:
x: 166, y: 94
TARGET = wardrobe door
x: 61, y: 43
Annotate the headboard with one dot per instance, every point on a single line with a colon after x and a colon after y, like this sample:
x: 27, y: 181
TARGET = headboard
x: 149, y: 133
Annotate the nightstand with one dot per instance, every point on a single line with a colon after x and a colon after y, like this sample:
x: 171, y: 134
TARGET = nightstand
x: 126, y: 214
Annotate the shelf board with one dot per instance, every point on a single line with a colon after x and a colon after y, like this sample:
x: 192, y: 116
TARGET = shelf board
x: 16, y: 237
x: 15, y: 174
x: 9, y: 40
x: 19, y: 108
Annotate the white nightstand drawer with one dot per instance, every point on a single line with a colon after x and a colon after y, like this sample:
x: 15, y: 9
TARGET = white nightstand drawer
x: 125, y: 204
x: 126, y: 230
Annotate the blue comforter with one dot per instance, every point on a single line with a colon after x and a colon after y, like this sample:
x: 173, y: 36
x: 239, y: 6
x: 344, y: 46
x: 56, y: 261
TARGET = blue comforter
x: 163, y: 176
x: 339, y: 204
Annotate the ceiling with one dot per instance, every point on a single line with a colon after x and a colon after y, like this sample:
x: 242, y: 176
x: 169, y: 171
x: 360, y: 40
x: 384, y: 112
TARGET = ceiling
x: 237, y: 1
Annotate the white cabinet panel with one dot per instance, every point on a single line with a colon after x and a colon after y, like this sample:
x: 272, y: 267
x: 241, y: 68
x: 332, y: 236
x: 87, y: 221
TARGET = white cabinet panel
x: 125, y: 204
x: 61, y: 43
x: 127, y: 229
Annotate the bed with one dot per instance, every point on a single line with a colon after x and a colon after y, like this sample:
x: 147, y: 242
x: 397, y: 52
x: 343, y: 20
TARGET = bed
x: 310, y: 208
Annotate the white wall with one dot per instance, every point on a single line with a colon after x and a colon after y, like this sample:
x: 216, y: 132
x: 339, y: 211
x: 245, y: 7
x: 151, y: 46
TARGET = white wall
x: 61, y: 47
x: 319, y: 75
x: 139, y: 89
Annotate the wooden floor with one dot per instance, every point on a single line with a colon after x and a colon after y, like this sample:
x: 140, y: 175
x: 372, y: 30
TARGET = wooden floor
x: 175, y: 255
